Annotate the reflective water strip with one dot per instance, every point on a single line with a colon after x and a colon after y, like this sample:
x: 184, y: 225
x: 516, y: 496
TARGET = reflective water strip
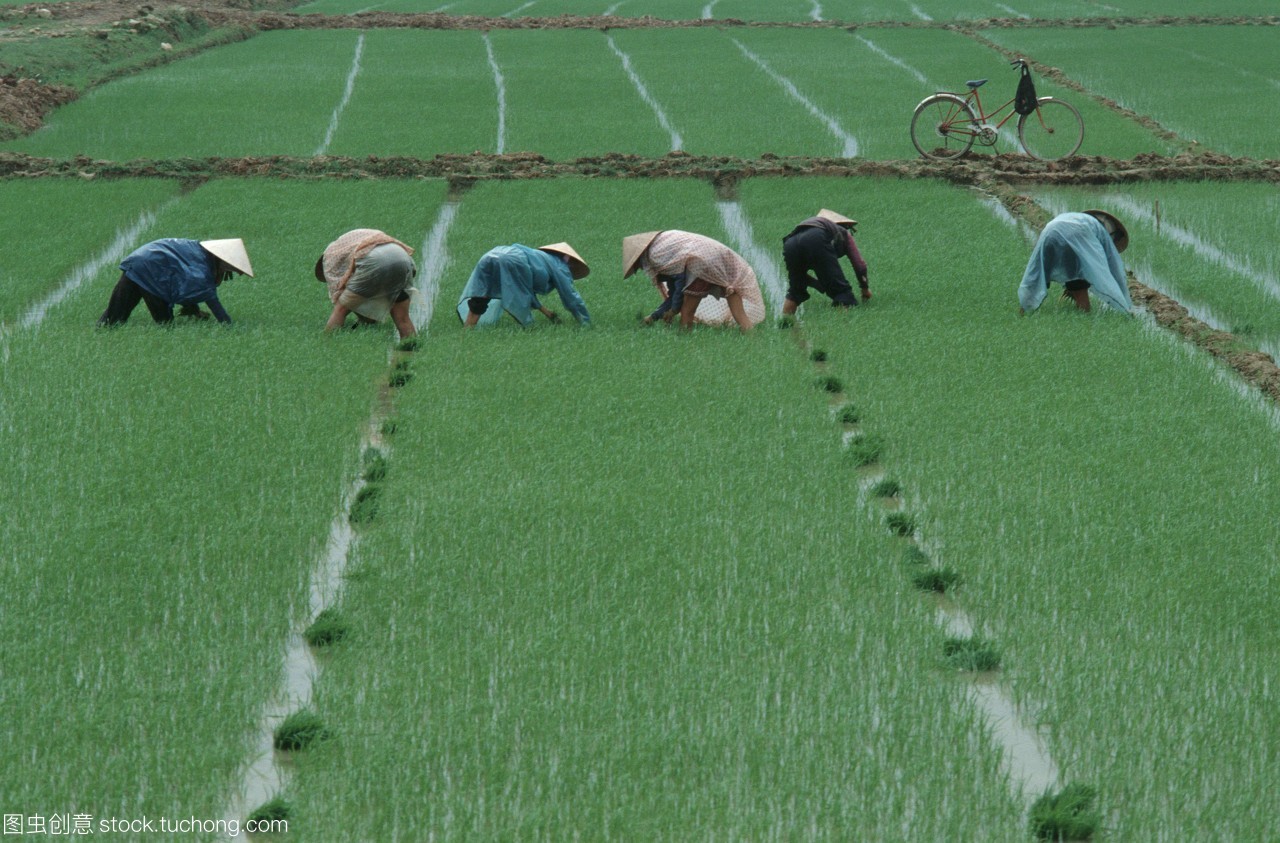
x: 815, y: 13
x: 1013, y: 11
x: 677, y: 142
x: 918, y: 12
x: 892, y: 59
x: 346, y: 97
x: 518, y: 9
x: 500, y: 84
x: 738, y: 226
x: 435, y: 258
x: 1265, y: 282
x: 117, y: 249
x: 707, y: 10
x: 850, y: 143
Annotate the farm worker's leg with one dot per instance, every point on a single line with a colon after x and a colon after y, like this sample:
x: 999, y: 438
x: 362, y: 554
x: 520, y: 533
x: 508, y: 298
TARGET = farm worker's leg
x: 336, y: 318
x: 694, y: 292
x: 124, y: 298
x: 400, y: 316
x: 160, y: 310
x: 734, y: 300
x: 1079, y: 293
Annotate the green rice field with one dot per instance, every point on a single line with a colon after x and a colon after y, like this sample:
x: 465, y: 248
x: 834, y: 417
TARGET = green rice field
x: 620, y: 582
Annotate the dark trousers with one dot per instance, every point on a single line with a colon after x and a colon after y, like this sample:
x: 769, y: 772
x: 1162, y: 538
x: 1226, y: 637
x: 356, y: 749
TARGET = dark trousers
x: 125, y: 297
x: 807, y: 251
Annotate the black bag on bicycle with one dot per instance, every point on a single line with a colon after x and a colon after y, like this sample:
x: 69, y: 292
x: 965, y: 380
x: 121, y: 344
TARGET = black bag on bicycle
x: 1024, y: 101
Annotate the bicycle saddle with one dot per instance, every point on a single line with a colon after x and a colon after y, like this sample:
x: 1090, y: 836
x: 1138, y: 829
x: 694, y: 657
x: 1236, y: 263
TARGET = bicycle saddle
x: 976, y: 83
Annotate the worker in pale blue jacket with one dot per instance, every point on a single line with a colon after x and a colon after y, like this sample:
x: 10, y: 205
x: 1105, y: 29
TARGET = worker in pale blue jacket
x: 172, y: 271
x: 511, y: 278
x: 1082, y: 252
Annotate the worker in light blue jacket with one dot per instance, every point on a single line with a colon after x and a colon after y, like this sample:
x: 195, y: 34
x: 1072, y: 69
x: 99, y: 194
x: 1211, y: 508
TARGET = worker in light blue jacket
x: 511, y: 278
x: 1082, y: 252
x: 172, y: 271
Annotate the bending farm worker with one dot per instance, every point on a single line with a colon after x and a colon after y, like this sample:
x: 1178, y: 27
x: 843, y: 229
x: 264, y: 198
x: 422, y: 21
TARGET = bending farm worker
x: 512, y: 277
x: 172, y: 271
x: 816, y: 245
x: 368, y: 273
x: 1082, y: 252
x: 690, y: 270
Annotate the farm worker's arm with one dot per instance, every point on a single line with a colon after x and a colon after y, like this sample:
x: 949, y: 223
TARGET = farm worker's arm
x: 336, y: 318
x: 855, y: 258
x: 569, y: 295
x: 219, y: 312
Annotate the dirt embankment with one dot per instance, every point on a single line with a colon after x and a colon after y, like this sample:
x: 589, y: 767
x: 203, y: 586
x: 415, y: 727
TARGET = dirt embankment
x: 25, y: 102
x: 988, y: 171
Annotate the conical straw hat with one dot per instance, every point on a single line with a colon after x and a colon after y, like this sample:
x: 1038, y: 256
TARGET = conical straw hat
x: 633, y: 248
x: 230, y: 252
x: 1114, y: 227
x: 838, y: 219
x: 577, y: 266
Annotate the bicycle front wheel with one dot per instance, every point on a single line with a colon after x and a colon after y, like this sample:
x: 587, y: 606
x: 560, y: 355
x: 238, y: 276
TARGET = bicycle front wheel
x: 1053, y: 131
x: 943, y: 127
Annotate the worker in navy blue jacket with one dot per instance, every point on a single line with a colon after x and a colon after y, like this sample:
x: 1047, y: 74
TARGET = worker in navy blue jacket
x: 169, y: 272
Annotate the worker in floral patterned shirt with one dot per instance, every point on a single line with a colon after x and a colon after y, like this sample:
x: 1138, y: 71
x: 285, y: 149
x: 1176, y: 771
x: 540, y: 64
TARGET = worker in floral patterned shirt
x: 368, y: 273
x: 716, y: 285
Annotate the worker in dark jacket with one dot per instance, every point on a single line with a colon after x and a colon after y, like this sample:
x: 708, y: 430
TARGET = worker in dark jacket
x: 169, y: 272
x: 816, y: 245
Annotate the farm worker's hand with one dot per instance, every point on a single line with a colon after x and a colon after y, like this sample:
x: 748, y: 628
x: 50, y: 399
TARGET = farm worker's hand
x: 550, y: 314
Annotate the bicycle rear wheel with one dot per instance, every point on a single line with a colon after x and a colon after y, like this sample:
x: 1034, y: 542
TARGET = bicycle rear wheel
x: 943, y: 127
x: 1053, y: 131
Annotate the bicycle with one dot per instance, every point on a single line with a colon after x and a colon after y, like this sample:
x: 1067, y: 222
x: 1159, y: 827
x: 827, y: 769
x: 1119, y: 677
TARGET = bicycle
x: 946, y: 125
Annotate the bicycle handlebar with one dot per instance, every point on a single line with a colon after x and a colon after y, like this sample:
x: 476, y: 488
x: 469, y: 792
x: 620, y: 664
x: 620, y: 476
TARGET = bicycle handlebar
x: 1018, y: 63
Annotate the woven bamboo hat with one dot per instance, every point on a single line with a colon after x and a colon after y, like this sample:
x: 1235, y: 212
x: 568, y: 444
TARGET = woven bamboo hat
x: 633, y: 248
x: 577, y: 266
x: 838, y: 219
x: 231, y: 252
x: 1119, y: 234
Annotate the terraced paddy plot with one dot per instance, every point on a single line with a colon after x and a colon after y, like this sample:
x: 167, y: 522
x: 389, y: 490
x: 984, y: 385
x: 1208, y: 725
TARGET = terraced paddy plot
x: 201, y: 106
x: 1097, y: 547
x: 55, y: 230
x: 1209, y: 246
x: 1215, y: 85
x: 166, y: 491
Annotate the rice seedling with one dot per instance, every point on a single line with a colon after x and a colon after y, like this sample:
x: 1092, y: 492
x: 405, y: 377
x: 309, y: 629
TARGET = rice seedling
x: 865, y: 450
x: 274, y: 810
x: 329, y: 627
x: 818, y: 356
x: 915, y: 556
x: 886, y: 488
x: 409, y: 344
x: 849, y: 415
x: 1067, y: 815
x: 830, y: 383
x: 399, y: 377
x: 901, y: 523
x: 375, y: 465
x: 388, y: 426
x: 973, y: 655
x: 364, y: 508
x: 939, y: 580
x: 299, y: 731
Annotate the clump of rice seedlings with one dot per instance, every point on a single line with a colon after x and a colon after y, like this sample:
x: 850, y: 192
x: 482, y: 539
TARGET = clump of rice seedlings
x: 786, y: 322
x: 849, y: 414
x: 976, y: 654
x: 865, y: 450
x: 940, y: 580
x: 274, y: 810
x: 901, y: 523
x: 1066, y: 815
x: 818, y: 356
x: 409, y: 343
x: 375, y: 465
x: 365, y: 507
x: 913, y: 555
x: 300, y: 730
x: 886, y: 488
x: 388, y: 427
x: 329, y: 627
x: 399, y: 377
x: 830, y: 383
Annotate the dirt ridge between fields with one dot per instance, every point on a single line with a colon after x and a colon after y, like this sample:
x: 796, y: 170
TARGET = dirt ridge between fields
x: 1010, y: 168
